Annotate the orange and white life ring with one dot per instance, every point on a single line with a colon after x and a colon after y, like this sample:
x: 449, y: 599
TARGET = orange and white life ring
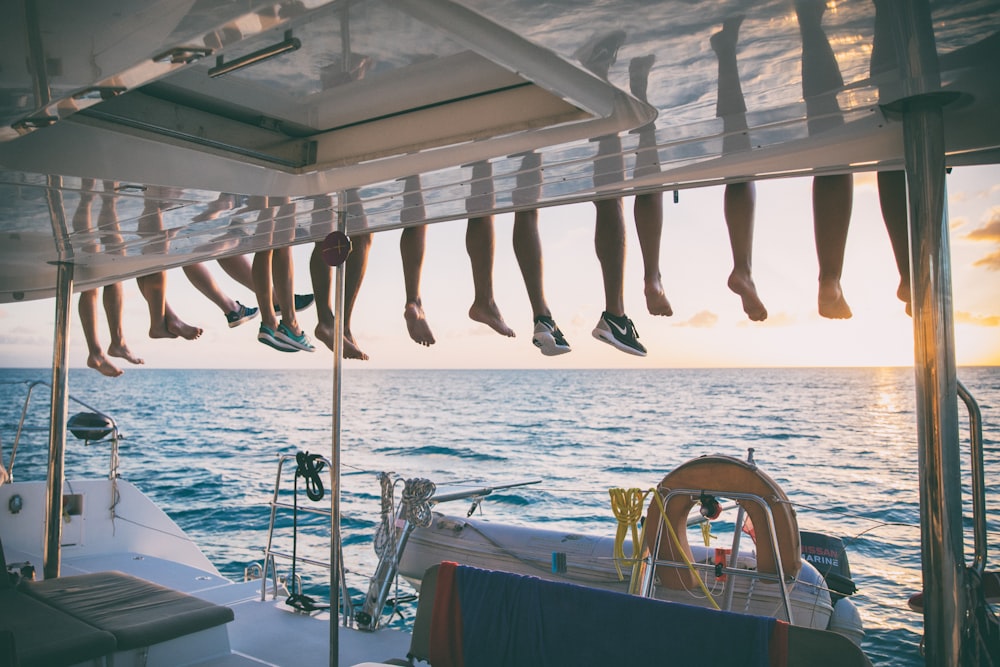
x: 717, y: 475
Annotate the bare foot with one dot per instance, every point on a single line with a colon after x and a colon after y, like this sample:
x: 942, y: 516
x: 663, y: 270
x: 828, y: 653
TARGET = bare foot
x: 351, y: 349
x: 122, y: 352
x: 324, y: 334
x: 743, y: 286
x: 160, y: 330
x: 656, y: 298
x: 178, y: 327
x: 831, y: 301
x: 417, y: 325
x: 103, y: 365
x: 491, y: 317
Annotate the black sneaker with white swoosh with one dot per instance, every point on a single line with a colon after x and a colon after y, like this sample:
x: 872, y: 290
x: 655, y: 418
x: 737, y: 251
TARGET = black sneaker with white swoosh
x: 619, y: 332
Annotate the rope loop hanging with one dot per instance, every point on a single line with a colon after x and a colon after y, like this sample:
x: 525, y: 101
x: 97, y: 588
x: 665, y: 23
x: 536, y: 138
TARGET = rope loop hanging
x: 384, y: 540
x: 416, y: 507
x: 309, y: 467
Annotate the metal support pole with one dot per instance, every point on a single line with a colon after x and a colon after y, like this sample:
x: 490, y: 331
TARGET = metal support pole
x: 338, y: 356
x: 936, y: 386
x: 57, y: 421
x: 941, y: 531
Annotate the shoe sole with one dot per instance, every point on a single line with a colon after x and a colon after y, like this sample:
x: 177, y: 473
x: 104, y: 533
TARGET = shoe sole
x: 243, y: 320
x: 276, y: 344
x: 292, y: 343
x: 609, y: 338
x: 547, y: 344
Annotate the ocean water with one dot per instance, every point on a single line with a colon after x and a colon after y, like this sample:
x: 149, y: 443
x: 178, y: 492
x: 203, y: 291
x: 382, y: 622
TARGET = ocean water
x: 841, y: 443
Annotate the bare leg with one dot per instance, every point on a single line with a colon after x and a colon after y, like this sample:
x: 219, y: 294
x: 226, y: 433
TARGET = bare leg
x: 528, y: 251
x: 88, y: 320
x: 648, y: 214
x: 202, y: 279
x: 263, y: 288
x: 892, y: 199
x: 87, y: 305
x: 322, y: 278
x: 239, y: 268
x: 609, y: 243
x: 284, y: 288
x: 107, y: 222
x: 113, y: 299
x: 739, y: 203
x: 480, y: 244
x: 833, y: 198
x: 411, y: 250
x: 163, y: 321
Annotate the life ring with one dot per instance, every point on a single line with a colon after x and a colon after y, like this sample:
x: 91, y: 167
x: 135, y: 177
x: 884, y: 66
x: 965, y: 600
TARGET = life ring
x: 717, y: 475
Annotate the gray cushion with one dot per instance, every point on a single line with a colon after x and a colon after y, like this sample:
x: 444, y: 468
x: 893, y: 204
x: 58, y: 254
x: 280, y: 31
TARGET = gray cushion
x: 137, y: 612
x: 46, y: 637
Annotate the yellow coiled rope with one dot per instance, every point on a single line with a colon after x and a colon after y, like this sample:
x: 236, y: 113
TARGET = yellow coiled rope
x: 677, y: 545
x: 627, y: 504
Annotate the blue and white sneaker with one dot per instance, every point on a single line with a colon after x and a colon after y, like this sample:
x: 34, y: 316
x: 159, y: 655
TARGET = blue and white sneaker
x: 548, y: 338
x: 619, y: 332
x: 295, y: 341
x: 268, y: 336
x: 242, y: 314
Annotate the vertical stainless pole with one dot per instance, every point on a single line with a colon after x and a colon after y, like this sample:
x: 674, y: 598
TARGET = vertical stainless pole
x: 57, y: 421
x: 933, y: 332
x: 936, y: 387
x: 338, y: 356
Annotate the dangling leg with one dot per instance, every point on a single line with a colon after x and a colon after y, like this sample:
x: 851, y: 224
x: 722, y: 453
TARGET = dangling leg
x: 833, y: 198
x: 411, y: 250
x: 648, y: 213
x: 739, y: 205
x: 892, y: 200
x: 480, y: 244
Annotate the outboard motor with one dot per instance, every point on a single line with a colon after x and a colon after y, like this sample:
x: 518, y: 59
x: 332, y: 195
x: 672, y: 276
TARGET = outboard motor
x: 827, y: 554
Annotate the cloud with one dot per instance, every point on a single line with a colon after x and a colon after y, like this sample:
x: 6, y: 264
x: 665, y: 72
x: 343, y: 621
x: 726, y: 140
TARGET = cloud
x: 990, y: 230
x: 705, y: 319
x: 962, y: 317
x: 21, y: 336
x: 990, y: 262
x: 781, y: 319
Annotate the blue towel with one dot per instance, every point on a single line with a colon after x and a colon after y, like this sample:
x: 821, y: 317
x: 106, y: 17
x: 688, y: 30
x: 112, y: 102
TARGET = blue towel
x: 509, y: 619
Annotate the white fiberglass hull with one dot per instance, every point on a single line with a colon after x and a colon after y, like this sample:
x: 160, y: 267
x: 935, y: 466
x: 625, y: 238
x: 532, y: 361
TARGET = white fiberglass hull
x: 589, y: 562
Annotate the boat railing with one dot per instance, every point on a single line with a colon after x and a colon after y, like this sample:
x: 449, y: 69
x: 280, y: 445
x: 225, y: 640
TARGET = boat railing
x: 652, y: 562
x: 978, y: 479
x: 92, y: 427
x: 269, y: 567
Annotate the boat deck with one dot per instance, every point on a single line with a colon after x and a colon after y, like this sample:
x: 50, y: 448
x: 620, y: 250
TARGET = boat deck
x: 263, y: 632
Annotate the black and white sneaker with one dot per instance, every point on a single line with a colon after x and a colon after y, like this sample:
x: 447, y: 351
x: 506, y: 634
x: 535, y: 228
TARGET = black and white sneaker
x: 619, y: 332
x: 548, y: 338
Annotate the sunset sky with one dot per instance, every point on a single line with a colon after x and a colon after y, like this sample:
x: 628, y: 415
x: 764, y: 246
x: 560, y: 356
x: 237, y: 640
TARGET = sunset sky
x: 708, y: 329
